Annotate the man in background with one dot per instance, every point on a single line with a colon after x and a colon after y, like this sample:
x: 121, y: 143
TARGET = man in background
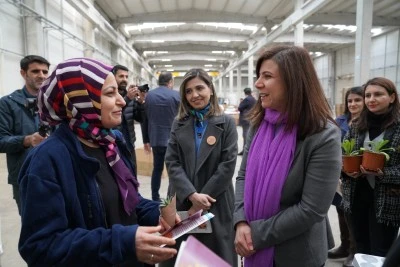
x: 244, y: 107
x: 133, y: 110
x: 161, y: 108
x: 19, y: 121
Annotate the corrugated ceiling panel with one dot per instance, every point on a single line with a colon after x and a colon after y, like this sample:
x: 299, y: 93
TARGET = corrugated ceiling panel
x: 203, y: 4
x: 234, y: 6
x: 251, y: 6
x: 152, y: 5
x: 105, y: 6
x: 269, y: 8
x: 218, y: 5
x: 168, y: 5
x: 133, y: 7
x: 184, y: 4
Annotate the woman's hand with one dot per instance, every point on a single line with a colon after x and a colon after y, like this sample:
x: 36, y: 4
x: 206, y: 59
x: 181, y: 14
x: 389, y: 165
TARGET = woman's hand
x: 377, y: 173
x: 354, y: 174
x: 243, y: 242
x: 148, y: 244
x: 165, y: 226
x: 201, y: 201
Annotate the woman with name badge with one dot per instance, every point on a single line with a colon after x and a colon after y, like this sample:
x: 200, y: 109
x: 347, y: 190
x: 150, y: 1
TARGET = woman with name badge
x: 200, y: 159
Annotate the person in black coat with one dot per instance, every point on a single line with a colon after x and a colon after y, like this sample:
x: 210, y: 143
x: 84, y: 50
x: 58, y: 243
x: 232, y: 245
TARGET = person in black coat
x: 133, y: 110
x: 393, y: 256
x: 244, y: 108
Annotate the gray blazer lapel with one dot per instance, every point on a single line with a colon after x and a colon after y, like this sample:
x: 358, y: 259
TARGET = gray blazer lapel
x: 299, y: 145
x: 185, y: 135
x: 293, y: 175
x: 214, y: 129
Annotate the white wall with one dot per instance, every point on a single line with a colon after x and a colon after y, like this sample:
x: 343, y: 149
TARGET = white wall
x: 336, y: 70
x: 385, y: 57
x: 56, y: 44
x: 11, y: 50
x: 385, y: 62
x: 324, y: 67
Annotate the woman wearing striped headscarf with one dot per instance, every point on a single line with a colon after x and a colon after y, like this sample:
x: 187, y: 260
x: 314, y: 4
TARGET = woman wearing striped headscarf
x: 80, y: 200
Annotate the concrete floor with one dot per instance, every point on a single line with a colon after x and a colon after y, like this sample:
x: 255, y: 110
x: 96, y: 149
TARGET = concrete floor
x: 10, y: 220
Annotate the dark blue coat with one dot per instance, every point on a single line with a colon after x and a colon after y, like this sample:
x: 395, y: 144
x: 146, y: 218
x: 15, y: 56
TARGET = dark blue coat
x: 16, y: 122
x: 343, y: 124
x: 161, y: 108
x: 133, y: 110
x: 63, y: 219
x: 244, y: 108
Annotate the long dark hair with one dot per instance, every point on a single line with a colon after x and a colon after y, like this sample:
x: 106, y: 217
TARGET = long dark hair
x: 358, y: 90
x: 392, y: 115
x: 306, y: 104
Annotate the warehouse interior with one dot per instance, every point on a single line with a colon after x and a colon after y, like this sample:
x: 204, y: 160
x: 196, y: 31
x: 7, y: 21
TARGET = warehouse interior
x: 350, y: 41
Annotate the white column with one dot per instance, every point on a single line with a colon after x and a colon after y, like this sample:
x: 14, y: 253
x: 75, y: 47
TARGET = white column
x: 221, y: 94
x: 35, y: 32
x: 89, y: 37
x: 230, y: 94
x: 299, y: 30
x: 363, y: 41
x: 250, y: 80
x: 239, y: 82
x: 116, y: 57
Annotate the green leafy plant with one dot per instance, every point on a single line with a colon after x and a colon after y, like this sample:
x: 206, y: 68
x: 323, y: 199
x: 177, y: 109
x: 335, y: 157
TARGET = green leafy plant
x: 166, y: 201
x: 378, y: 147
x: 168, y: 209
x: 348, y: 147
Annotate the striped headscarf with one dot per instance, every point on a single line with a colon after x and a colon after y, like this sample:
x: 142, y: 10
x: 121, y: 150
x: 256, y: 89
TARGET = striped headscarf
x: 72, y: 95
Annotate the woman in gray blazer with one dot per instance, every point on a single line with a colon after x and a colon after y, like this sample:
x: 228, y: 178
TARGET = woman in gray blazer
x: 290, y: 166
x: 201, y: 159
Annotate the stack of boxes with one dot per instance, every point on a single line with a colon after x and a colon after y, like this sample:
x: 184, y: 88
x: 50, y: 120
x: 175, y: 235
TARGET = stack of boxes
x: 145, y: 163
x: 339, y: 108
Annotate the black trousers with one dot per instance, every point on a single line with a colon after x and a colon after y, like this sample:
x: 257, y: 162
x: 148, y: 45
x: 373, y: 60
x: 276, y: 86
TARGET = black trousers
x: 346, y: 233
x: 245, y: 127
x: 370, y: 236
x: 158, y: 167
x: 15, y: 188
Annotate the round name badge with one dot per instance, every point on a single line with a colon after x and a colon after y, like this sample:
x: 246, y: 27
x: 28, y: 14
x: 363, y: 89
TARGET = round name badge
x: 211, y: 140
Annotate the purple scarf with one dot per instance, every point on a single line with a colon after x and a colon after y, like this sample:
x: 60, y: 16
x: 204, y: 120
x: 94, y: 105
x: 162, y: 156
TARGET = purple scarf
x: 266, y: 174
x: 72, y: 94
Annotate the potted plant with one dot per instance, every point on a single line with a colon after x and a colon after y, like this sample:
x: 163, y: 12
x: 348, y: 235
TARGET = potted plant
x: 351, y: 158
x: 374, y: 155
x: 168, y: 209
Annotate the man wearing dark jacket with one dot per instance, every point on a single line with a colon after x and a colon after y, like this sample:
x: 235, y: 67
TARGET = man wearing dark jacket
x: 244, y: 108
x: 133, y: 110
x: 19, y: 121
x: 161, y: 108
